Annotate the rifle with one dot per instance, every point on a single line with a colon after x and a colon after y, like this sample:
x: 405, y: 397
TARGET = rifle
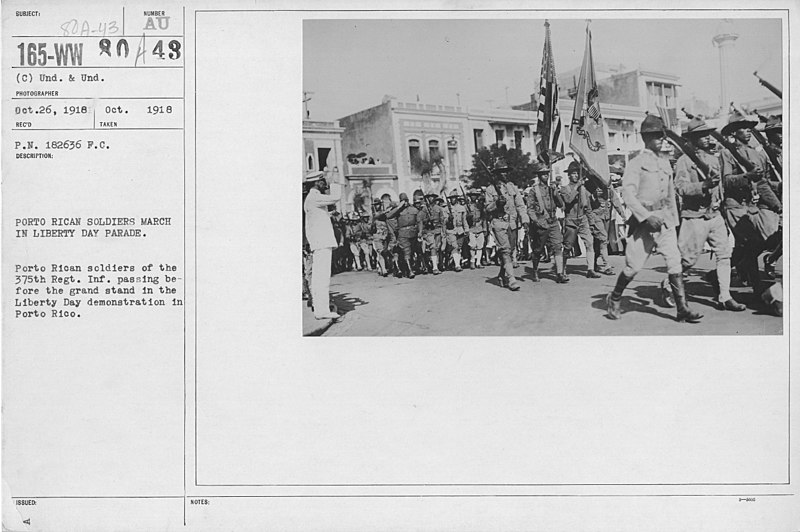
x: 682, y: 145
x: 470, y: 217
x: 429, y: 222
x: 772, y: 88
x: 450, y: 221
x: 746, y: 165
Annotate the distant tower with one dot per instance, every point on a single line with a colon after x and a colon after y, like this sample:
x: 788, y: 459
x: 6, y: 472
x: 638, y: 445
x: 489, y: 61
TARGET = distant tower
x: 725, y: 40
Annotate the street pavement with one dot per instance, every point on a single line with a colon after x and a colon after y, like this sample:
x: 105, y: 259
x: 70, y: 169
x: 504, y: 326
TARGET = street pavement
x: 471, y: 303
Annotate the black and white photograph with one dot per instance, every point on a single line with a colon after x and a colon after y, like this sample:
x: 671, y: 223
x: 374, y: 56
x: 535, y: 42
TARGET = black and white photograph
x: 543, y: 176
x: 543, y: 283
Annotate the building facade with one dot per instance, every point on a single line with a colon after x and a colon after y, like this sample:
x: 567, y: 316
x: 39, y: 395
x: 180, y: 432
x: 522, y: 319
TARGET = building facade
x: 322, y: 150
x: 626, y: 96
x: 399, y: 147
x: 389, y: 149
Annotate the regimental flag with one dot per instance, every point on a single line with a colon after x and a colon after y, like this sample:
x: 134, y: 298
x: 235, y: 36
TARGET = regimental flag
x: 550, y: 140
x: 587, y: 131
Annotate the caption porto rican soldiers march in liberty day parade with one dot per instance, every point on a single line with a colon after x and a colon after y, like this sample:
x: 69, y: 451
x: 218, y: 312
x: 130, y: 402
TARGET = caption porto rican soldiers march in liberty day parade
x: 692, y: 189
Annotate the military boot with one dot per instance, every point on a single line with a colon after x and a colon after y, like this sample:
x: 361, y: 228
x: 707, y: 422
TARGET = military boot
x: 535, y: 265
x: 411, y: 274
x: 614, y: 299
x: 678, y: 292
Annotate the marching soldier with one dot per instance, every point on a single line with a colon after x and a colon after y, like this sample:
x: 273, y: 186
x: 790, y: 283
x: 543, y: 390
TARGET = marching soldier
x: 407, y: 228
x: 576, y: 217
x: 339, y: 259
x: 380, y: 237
x: 477, y: 229
x: 648, y: 191
x: 602, y: 200
x: 701, y: 220
x: 365, y: 240
x: 507, y: 212
x: 544, y: 227
x: 431, y: 221
x: 353, y: 236
x: 751, y: 207
x: 392, y: 247
x: 456, y: 228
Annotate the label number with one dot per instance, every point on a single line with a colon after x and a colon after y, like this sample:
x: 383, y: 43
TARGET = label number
x: 175, y: 46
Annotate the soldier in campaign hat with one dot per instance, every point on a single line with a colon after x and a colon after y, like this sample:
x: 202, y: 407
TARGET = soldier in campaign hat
x: 355, y: 235
x: 407, y: 215
x: 477, y: 228
x: 543, y: 200
x: 456, y: 228
x: 506, y: 211
x: 649, y: 192
x: 321, y: 239
x: 701, y: 219
x: 380, y: 236
x: 577, y: 205
x: 431, y: 222
x: 601, y: 201
x: 751, y: 207
x: 737, y: 121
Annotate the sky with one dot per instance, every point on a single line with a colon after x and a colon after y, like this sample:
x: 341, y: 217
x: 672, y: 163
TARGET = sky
x: 350, y: 65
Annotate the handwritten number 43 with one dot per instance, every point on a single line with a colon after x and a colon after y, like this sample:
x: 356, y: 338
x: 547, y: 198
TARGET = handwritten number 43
x: 122, y: 49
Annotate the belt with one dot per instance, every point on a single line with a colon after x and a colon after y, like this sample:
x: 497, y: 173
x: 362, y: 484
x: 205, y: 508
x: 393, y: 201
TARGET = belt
x: 657, y: 206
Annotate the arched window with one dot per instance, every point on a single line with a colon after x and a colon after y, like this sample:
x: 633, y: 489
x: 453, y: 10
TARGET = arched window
x: 310, y: 162
x: 433, y: 149
x: 413, y: 149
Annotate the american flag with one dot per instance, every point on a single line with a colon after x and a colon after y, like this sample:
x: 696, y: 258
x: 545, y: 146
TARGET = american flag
x: 549, y: 135
x: 669, y: 115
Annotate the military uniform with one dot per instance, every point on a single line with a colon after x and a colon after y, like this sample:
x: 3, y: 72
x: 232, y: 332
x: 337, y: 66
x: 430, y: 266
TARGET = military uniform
x: 542, y: 202
x: 431, y: 221
x: 456, y: 230
x: 505, y: 216
x: 353, y: 236
x: 407, y: 231
x: 701, y: 221
x: 739, y: 191
x: 380, y: 239
x: 751, y: 207
x: 577, y: 205
x: 477, y: 231
x: 648, y: 191
x: 601, y: 201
